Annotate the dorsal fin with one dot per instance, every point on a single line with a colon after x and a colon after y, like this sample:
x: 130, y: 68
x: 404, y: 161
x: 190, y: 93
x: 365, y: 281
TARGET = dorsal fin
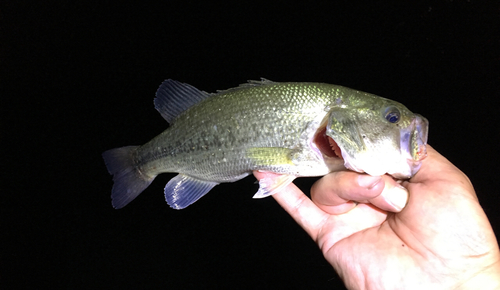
x: 173, y: 98
x: 248, y: 84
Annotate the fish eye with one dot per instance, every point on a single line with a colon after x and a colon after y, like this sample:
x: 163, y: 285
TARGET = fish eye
x: 392, y: 115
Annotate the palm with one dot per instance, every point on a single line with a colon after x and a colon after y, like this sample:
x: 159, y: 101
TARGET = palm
x: 388, y: 254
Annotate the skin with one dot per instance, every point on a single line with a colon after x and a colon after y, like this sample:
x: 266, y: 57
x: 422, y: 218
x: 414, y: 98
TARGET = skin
x: 441, y: 239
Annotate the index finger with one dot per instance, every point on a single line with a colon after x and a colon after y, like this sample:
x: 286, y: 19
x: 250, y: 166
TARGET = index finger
x: 319, y: 224
x: 299, y: 207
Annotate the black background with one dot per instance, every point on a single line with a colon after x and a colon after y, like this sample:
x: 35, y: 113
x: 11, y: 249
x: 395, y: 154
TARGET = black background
x: 79, y: 77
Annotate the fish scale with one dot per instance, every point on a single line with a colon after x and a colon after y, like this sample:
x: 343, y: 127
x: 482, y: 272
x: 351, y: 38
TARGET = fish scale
x: 239, y: 126
x: 269, y: 126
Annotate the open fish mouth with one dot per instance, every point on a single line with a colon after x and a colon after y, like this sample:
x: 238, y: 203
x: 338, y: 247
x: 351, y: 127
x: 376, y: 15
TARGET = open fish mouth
x: 326, y: 145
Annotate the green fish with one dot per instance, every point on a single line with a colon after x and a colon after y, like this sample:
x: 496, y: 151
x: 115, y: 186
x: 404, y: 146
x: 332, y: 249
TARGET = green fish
x: 293, y: 129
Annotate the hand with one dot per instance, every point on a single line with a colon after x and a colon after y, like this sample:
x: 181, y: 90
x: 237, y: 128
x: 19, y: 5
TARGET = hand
x: 442, y: 238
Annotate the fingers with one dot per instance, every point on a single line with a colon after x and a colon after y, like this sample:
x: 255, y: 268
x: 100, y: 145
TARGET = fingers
x: 393, y: 198
x: 338, y: 192
x: 318, y: 223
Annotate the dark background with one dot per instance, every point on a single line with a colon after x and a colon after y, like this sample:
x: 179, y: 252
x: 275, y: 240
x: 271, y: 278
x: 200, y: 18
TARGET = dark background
x: 79, y: 77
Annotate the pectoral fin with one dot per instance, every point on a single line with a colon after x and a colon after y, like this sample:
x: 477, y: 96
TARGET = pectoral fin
x: 183, y: 190
x: 271, y: 185
x: 270, y: 155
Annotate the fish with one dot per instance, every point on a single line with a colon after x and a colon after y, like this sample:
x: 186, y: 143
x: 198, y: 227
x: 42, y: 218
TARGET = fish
x: 294, y: 129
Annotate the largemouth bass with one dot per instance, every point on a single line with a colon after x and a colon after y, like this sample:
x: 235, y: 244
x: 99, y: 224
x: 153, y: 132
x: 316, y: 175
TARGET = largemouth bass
x: 294, y: 129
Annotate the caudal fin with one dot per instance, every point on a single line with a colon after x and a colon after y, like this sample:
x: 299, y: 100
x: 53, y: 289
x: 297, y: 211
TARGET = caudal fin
x: 128, y: 181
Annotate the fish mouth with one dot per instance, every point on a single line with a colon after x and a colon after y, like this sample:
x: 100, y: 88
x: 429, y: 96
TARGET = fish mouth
x: 414, y: 143
x: 326, y: 145
x: 419, y: 138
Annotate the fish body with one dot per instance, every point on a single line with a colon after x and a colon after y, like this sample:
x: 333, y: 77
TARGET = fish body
x: 294, y: 129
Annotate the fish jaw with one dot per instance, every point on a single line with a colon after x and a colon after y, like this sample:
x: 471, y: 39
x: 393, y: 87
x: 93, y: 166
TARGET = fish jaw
x: 414, y: 143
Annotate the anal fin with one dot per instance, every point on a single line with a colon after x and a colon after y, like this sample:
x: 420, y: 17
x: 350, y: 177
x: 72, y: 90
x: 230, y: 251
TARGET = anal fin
x: 183, y: 190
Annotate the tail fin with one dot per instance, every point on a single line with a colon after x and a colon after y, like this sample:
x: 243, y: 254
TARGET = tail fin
x: 128, y: 181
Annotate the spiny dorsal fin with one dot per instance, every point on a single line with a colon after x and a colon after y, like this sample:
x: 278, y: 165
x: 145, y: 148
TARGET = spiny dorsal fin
x: 173, y: 98
x: 248, y: 84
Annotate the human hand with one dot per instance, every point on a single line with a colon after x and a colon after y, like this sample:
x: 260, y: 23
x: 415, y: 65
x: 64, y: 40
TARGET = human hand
x: 441, y: 240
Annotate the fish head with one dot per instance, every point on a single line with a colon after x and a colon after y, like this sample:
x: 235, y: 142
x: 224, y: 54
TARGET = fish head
x: 378, y: 136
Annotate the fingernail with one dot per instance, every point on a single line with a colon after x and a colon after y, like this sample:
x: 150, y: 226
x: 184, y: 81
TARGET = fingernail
x: 368, y: 181
x: 397, y: 196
